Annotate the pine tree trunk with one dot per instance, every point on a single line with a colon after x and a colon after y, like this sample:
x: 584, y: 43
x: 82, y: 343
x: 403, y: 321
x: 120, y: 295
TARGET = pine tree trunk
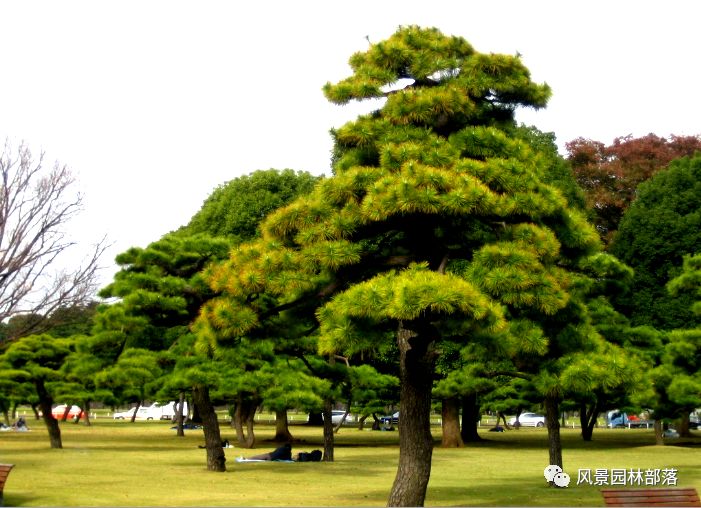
x: 216, y: 460
x: 86, y: 412
x: 684, y: 425
x: 179, y: 416
x: 361, y: 422
x: 328, y: 431
x: 243, y: 423
x: 136, y: 410
x: 416, y: 370
x: 587, y: 419
x: 659, y: 433
x: 45, y: 403
x: 282, y: 428
x: 450, y: 423
x: 552, y: 421
x: 470, y: 417
x: 196, y: 418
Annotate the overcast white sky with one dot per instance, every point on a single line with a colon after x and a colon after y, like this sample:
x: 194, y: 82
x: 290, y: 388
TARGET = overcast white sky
x: 153, y: 104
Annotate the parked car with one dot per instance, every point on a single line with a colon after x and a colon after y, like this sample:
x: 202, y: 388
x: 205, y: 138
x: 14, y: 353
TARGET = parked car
x: 529, y: 420
x: 74, y: 413
x: 124, y: 415
x: 337, y: 414
x: 392, y: 419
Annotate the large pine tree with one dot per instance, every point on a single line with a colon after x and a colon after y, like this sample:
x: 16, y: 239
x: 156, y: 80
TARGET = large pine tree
x: 419, y: 186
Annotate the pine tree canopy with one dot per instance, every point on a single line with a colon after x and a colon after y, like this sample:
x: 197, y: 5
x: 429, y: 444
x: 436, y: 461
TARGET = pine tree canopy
x: 437, y: 177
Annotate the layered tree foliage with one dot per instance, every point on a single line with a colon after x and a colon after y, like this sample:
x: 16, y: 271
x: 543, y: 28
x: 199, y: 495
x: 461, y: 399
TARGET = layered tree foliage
x: 661, y: 226
x: 160, y: 289
x: 611, y: 174
x: 689, y: 281
x: 37, y: 360
x: 439, y: 175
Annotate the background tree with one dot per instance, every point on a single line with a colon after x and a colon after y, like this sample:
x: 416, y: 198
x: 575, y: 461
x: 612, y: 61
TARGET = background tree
x: 133, y: 378
x: 611, y: 174
x: 36, y: 206
x: 37, y: 359
x: 235, y: 208
x: 659, y: 228
x: 160, y: 289
x: 436, y: 174
x: 689, y: 281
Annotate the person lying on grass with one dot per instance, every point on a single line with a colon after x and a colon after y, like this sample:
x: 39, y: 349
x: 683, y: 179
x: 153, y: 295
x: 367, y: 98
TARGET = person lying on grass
x: 283, y: 452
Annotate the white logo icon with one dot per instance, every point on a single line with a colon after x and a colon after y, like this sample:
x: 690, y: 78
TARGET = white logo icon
x: 554, y: 474
x: 551, y: 471
x: 562, y: 479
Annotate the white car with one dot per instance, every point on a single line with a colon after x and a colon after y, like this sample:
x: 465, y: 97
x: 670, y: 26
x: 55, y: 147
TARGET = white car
x: 124, y: 415
x: 529, y: 420
x: 336, y: 416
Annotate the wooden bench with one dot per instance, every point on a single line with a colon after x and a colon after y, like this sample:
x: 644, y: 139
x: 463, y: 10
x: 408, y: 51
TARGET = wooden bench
x: 4, y: 473
x: 651, y: 497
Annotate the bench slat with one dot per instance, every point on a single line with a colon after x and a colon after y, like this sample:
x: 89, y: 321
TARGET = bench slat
x: 651, y: 497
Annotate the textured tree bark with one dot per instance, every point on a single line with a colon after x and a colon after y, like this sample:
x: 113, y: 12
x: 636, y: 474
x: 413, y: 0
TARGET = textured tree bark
x: 552, y: 421
x: 416, y: 371
x: 216, y: 460
x: 450, y: 423
x: 282, y: 428
x: 243, y: 423
x: 45, y: 402
x: 179, y: 416
x: 328, y: 431
x: 470, y: 417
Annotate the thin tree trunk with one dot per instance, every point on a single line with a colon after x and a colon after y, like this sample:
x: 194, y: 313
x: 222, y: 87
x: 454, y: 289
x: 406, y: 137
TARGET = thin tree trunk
x: 243, y: 423
x: 282, y: 427
x: 416, y: 371
x: 552, y: 421
x: 470, y: 417
x: 328, y: 432
x: 450, y: 423
x: 45, y: 403
x: 136, y: 410
x: 659, y: 433
x: 361, y: 422
x: 684, y: 425
x: 216, y: 460
x: 86, y: 412
x: 64, y: 418
x: 587, y: 419
x: 179, y: 416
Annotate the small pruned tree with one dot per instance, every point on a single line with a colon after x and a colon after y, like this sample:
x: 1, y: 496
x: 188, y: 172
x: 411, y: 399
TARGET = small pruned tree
x: 36, y: 206
x: 37, y: 359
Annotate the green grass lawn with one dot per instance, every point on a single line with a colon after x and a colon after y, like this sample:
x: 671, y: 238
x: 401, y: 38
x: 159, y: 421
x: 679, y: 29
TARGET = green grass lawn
x: 145, y: 464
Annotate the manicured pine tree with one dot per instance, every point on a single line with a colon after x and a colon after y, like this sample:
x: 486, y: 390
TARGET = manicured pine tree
x: 433, y: 176
x: 37, y: 359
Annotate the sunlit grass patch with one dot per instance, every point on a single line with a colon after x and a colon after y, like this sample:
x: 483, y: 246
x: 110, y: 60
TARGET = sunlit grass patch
x: 145, y: 464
